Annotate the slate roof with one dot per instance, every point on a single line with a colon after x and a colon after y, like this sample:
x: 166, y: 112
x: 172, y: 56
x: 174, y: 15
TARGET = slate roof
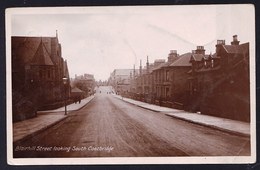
x: 157, y: 67
x: 76, y: 90
x: 184, y: 60
x: 245, y: 47
x: 26, y: 47
x: 168, y: 63
x: 42, y: 56
x: 199, y: 57
x: 158, y: 63
x: 237, y: 49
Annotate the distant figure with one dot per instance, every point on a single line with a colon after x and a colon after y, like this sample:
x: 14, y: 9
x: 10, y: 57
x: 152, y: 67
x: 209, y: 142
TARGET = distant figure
x: 78, y: 99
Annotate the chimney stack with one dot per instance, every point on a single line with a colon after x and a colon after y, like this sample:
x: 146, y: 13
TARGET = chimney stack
x: 219, y: 44
x: 235, y: 41
x: 172, y: 56
x: 200, y: 50
x: 147, y: 66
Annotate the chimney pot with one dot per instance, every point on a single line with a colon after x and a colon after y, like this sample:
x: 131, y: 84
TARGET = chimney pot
x: 200, y: 50
x: 220, y: 42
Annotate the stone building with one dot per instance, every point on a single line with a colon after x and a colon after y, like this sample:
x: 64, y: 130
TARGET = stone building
x: 170, y: 80
x: 120, y: 80
x: 163, y: 77
x: 37, y: 72
x: 219, y: 83
x: 142, y: 82
x: 156, y: 77
x: 178, y: 79
x: 213, y: 84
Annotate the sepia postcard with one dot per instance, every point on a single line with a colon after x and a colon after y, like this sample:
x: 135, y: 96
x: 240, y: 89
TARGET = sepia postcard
x: 171, y: 84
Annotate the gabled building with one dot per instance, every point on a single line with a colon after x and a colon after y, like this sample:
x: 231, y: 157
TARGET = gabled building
x: 163, y: 77
x: 37, y: 72
x: 219, y: 83
x: 179, y: 80
x: 157, y: 77
x: 170, y: 80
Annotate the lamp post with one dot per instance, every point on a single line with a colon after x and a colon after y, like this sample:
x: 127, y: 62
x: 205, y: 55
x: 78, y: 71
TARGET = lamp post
x: 65, y: 81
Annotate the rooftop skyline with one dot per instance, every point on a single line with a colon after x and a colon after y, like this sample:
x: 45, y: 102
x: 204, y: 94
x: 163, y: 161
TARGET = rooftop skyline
x: 97, y: 40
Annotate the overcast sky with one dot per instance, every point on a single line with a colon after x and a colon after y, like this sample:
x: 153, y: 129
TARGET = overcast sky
x: 97, y: 40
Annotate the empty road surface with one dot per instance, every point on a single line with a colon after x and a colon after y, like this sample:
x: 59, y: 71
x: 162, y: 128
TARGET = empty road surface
x: 110, y: 127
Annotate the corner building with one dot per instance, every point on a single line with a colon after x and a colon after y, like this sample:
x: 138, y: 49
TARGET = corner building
x: 37, y: 72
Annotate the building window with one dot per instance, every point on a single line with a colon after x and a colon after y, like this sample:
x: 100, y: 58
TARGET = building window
x: 49, y: 74
x: 167, y: 92
x: 167, y: 75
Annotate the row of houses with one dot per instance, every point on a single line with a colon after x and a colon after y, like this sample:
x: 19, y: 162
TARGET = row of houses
x: 38, y: 69
x: 214, y: 84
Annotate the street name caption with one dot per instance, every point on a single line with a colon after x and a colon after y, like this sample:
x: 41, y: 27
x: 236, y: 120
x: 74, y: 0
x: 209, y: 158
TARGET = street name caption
x: 65, y: 148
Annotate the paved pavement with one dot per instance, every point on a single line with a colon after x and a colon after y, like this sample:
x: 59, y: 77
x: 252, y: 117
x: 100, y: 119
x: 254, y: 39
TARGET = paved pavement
x: 226, y: 125
x: 111, y: 127
x: 45, y: 119
x: 148, y: 106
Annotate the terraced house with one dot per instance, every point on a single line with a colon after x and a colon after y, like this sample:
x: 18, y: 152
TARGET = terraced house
x: 219, y: 83
x: 214, y: 84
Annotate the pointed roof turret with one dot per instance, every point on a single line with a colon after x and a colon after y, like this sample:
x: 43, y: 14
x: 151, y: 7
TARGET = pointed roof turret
x: 66, y: 70
x: 41, y: 56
